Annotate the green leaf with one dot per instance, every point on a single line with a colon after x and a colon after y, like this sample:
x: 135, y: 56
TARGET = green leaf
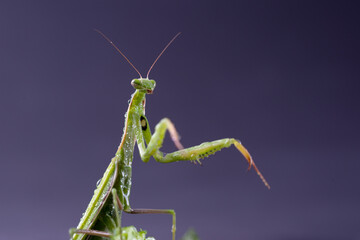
x: 190, y: 235
x: 131, y: 233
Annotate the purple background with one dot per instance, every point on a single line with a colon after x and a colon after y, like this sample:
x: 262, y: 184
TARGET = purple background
x: 282, y: 76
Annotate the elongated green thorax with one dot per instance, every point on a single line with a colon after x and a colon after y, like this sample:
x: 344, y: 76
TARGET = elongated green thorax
x: 132, y: 128
x: 124, y: 155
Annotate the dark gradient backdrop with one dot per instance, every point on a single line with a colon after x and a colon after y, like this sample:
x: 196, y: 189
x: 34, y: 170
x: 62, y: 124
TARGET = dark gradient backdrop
x: 282, y: 76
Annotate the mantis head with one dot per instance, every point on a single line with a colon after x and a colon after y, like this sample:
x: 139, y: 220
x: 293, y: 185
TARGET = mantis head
x: 144, y: 84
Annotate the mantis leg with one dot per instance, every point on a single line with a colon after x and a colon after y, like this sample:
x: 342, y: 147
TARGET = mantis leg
x: 90, y: 232
x: 151, y: 211
x: 157, y: 211
x: 188, y: 154
x: 155, y: 141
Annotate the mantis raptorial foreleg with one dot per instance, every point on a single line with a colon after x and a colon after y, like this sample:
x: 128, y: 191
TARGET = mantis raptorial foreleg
x: 188, y: 154
x: 154, y: 142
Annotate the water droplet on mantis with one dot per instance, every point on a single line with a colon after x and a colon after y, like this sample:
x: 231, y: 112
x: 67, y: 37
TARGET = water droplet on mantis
x: 98, y: 182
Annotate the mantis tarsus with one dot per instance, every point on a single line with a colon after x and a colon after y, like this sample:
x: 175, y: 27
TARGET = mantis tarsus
x: 102, y: 218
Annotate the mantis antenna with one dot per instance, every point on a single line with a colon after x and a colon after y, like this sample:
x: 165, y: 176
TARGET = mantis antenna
x: 117, y: 49
x: 147, y: 75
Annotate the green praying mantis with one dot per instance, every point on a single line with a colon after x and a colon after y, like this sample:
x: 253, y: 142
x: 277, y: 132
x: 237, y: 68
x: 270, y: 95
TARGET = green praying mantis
x: 102, y: 218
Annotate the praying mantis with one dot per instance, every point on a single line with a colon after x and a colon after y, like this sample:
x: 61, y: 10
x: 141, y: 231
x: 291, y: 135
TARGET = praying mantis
x: 102, y: 218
